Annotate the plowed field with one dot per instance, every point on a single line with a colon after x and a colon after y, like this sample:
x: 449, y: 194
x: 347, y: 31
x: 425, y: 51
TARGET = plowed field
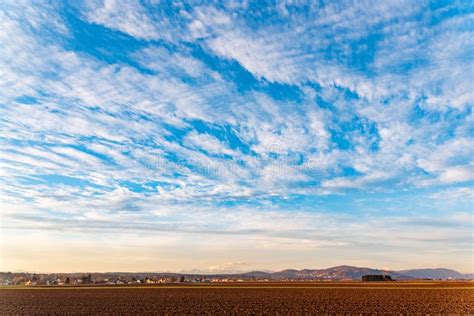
x: 246, y: 298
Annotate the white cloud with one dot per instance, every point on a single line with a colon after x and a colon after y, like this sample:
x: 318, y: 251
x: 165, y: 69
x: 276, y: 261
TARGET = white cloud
x: 457, y: 174
x: 130, y: 17
x: 454, y: 194
x: 208, y: 143
x: 161, y: 60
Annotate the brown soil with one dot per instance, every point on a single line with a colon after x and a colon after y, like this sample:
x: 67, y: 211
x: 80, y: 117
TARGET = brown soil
x: 247, y: 298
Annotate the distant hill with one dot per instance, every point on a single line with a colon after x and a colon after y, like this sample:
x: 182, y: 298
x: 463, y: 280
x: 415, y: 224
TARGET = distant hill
x: 334, y: 273
x: 355, y: 273
x: 435, y: 274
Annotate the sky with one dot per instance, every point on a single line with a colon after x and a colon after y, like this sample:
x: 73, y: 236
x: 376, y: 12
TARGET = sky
x: 236, y: 135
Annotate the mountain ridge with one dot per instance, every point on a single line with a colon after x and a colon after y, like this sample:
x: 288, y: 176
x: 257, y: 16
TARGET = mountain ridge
x: 336, y: 273
x: 346, y: 272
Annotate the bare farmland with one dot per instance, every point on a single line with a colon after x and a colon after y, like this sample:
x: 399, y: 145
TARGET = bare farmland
x: 247, y: 298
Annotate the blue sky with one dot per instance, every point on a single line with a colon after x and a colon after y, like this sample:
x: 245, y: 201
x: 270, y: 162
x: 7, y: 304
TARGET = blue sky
x: 230, y: 136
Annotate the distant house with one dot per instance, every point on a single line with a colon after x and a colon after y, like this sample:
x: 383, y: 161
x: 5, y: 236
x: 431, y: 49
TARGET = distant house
x: 149, y: 281
x: 376, y: 278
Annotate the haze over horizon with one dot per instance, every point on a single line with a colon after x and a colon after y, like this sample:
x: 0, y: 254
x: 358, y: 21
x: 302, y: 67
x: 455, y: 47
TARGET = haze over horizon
x: 214, y: 270
x: 150, y: 136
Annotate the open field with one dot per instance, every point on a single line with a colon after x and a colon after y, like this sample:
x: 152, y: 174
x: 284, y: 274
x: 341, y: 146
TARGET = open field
x: 243, y: 298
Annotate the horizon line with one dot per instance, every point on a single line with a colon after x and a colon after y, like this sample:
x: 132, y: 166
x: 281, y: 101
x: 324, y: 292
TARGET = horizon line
x: 235, y: 271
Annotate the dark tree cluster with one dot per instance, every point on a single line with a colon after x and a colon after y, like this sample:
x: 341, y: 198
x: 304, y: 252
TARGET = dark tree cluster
x: 376, y: 277
x: 87, y: 279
